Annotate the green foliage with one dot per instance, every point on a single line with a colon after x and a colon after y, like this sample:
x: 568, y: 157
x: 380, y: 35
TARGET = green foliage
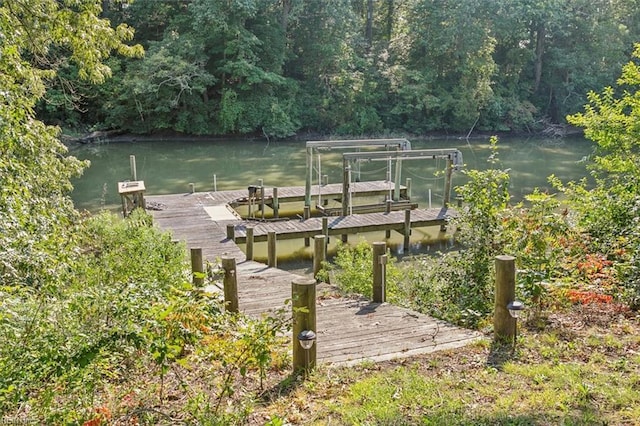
x: 540, y: 235
x: 352, y: 272
x: 122, y: 320
x: 608, y: 212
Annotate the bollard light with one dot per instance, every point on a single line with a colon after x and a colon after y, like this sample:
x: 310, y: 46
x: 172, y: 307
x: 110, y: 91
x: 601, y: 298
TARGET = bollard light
x: 515, y: 308
x: 306, y: 339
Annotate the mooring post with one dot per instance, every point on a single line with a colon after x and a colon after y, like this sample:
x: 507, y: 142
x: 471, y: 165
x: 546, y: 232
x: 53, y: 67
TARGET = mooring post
x: 379, y: 250
x: 261, y: 188
x: 215, y: 183
x: 319, y: 253
x: 504, y: 325
x: 230, y: 283
x: 303, y: 297
x: 272, y: 261
x: 231, y: 232
x: 307, y: 212
x: 325, y: 180
x: 197, y: 267
x: 325, y: 230
x: 275, y: 205
x: 407, y: 229
x: 408, y: 185
x: 250, y: 241
x: 134, y: 171
x: 192, y: 188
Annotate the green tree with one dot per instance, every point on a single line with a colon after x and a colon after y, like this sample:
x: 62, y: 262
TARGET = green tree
x: 610, y: 212
x: 36, y: 213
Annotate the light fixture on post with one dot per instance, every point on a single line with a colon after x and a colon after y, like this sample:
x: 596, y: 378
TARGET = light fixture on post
x: 306, y: 339
x: 515, y: 310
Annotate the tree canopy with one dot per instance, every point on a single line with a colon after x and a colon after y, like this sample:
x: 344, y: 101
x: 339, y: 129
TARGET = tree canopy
x: 39, y: 37
x: 353, y: 67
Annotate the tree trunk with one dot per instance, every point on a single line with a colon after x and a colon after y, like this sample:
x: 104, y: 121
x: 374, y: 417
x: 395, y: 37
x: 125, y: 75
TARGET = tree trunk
x: 369, y: 27
x: 541, y: 33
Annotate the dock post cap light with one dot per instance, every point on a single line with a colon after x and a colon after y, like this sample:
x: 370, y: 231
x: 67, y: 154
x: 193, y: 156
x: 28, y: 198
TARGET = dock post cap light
x: 515, y: 308
x: 306, y: 338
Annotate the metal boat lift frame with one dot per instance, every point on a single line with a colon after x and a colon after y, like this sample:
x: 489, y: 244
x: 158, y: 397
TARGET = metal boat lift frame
x: 452, y: 155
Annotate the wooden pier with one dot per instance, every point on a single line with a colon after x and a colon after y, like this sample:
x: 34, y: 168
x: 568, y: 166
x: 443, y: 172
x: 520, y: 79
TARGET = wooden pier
x: 349, y: 330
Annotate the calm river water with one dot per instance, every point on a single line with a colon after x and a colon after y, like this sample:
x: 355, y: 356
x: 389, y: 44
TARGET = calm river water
x: 170, y: 166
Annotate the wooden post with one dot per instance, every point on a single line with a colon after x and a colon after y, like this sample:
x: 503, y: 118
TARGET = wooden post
x: 325, y: 180
x: 134, y: 171
x: 303, y: 297
x: 197, y: 267
x: 261, y: 187
x: 275, y: 206
x: 387, y: 233
x: 192, y: 187
x: 504, y: 325
x: 345, y: 238
x: 231, y: 232
x: 379, y: 250
x: 346, y: 187
x: 307, y: 212
x: 230, y: 282
x: 319, y: 253
x: 215, y: 183
x: 407, y: 229
x: 325, y: 230
x: 408, y: 185
x: 272, y: 258
x: 446, y: 200
x: 249, y: 242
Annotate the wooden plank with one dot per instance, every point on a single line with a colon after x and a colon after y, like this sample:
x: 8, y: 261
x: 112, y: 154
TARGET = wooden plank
x: 349, y: 329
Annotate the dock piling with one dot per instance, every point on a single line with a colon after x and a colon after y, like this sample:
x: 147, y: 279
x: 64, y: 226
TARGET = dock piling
x: 303, y: 297
x: 250, y: 242
x: 407, y: 229
x: 197, y: 267
x: 231, y: 232
x: 230, y: 283
x: 504, y: 325
x: 379, y: 290
x: 272, y: 261
x: 319, y: 253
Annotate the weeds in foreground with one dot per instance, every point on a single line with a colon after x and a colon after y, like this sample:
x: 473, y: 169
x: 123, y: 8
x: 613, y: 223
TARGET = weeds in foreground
x: 578, y: 370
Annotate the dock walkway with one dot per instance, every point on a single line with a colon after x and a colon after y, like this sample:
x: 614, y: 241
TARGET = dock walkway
x: 350, y: 330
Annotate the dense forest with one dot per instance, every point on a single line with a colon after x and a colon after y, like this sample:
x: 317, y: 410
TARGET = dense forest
x: 279, y: 68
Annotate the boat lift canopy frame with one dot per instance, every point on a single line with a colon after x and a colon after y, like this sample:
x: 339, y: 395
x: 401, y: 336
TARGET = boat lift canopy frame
x: 452, y: 155
x: 401, y: 145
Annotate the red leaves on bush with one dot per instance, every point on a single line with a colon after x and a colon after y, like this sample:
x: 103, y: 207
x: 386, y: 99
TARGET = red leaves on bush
x: 587, y: 297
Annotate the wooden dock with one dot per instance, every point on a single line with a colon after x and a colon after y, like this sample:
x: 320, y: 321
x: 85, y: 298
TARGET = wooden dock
x: 349, y: 330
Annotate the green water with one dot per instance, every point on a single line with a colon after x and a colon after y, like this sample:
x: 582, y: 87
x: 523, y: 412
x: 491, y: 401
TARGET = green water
x: 170, y: 166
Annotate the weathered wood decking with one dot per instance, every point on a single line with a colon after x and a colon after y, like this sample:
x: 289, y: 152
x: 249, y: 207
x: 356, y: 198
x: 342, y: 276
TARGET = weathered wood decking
x: 350, y: 330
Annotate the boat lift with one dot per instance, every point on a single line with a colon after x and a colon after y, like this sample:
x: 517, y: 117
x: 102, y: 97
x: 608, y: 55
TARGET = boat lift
x: 452, y: 155
x: 398, y: 144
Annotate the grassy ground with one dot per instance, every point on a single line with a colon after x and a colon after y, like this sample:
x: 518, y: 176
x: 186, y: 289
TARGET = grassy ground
x: 579, y: 367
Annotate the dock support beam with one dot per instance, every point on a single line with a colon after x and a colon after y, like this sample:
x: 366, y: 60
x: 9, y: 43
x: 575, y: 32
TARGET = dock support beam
x: 319, y: 253
x: 197, y: 267
x: 249, y: 242
x: 325, y: 230
x: 272, y: 261
x: 303, y: 297
x: 231, y: 232
x: 230, y: 282
x: 407, y: 229
x: 504, y: 325
x: 379, y: 267
x: 275, y: 206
